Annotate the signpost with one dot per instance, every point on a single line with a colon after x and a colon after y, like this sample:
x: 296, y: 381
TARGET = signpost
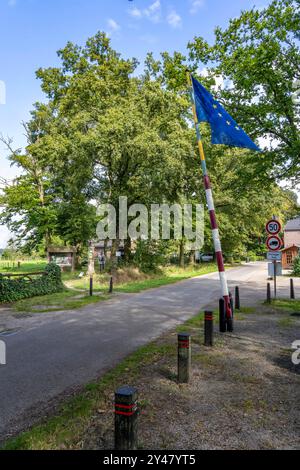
x: 274, y: 256
x: 274, y: 245
x: 91, y: 266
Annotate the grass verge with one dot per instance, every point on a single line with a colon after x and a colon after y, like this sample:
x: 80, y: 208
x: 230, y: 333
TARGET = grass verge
x: 66, y: 300
x: 66, y: 428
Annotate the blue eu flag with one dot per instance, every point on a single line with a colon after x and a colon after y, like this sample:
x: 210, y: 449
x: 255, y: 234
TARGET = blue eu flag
x: 224, y: 129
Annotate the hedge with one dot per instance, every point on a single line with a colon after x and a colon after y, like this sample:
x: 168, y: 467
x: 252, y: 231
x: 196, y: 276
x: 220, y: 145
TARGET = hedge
x: 22, y: 288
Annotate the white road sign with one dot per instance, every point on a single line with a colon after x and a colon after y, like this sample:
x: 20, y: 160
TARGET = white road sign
x: 273, y: 227
x: 274, y: 243
x: 274, y: 255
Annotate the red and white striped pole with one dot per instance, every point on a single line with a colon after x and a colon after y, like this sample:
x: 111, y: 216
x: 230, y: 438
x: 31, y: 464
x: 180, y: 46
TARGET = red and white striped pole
x: 211, y: 209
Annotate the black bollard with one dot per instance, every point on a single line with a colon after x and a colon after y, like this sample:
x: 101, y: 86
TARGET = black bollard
x: 229, y: 321
x: 111, y: 285
x: 91, y: 286
x: 292, y: 290
x: 237, y: 298
x: 126, y: 413
x: 268, y: 293
x: 222, y: 317
x: 184, y: 357
x: 208, y: 328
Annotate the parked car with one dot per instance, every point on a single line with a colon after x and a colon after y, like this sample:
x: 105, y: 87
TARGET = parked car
x: 206, y: 257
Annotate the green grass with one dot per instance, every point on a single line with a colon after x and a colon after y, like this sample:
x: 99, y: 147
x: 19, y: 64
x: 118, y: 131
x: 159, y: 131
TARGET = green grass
x: 168, y: 275
x: 75, y: 286
x: 66, y: 428
x: 27, y: 266
x: 287, y: 305
x: 286, y: 322
x: 55, y: 302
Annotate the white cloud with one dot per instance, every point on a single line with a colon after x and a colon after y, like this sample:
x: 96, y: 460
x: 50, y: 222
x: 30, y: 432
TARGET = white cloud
x: 113, y: 25
x: 196, y: 5
x: 174, y: 19
x: 135, y: 12
x: 152, y: 12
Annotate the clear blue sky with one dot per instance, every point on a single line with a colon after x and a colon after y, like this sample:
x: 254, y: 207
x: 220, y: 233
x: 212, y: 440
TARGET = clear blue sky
x: 33, y: 30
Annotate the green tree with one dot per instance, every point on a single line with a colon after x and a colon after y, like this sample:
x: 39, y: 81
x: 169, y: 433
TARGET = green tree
x: 258, y: 57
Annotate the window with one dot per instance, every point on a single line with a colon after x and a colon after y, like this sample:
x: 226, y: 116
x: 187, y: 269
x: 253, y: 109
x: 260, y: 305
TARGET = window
x: 289, y: 258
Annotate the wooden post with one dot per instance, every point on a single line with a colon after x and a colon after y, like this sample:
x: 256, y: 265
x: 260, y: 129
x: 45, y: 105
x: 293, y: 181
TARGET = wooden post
x: 126, y: 413
x: 268, y: 293
x: 91, y: 286
x: 111, y: 285
x: 184, y: 357
x: 292, y: 290
x: 237, y: 298
x: 208, y: 328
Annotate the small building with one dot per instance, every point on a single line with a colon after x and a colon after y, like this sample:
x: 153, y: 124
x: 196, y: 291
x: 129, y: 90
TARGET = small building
x: 292, y: 232
x: 288, y: 255
x: 64, y: 257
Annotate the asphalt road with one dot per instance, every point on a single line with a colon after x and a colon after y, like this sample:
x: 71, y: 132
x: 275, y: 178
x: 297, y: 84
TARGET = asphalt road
x: 51, y: 354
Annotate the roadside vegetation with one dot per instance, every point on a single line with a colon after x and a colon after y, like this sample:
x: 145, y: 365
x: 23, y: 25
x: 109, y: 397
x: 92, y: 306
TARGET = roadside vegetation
x: 127, y: 280
x: 241, y: 364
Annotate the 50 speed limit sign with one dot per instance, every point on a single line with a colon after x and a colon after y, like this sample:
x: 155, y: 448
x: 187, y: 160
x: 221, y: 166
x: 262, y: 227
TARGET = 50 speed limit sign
x: 273, y: 227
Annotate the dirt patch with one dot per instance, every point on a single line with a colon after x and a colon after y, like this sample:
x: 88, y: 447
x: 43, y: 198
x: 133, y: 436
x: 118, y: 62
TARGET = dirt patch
x: 244, y: 394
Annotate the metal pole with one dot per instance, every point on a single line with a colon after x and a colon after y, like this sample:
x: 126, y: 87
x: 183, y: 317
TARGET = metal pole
x: 275, y: 286
x: 211, y: 207
x: 268, y: 293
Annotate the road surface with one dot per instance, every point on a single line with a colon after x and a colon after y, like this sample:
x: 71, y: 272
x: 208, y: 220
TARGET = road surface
x: 49, y: 355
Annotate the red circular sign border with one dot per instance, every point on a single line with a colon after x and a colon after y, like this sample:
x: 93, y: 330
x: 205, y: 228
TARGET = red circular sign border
x: 273, y: 220
x: 278, y: 238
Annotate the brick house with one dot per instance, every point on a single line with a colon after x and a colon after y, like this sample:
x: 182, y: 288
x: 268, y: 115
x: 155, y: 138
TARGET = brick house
x: 291, y: 243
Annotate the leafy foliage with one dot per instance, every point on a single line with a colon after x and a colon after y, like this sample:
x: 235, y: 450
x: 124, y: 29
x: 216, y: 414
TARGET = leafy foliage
x: 16, y: 289
x: 296, y: 266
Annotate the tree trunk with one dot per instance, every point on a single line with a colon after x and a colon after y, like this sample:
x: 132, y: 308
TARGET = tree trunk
x: 181, y: 254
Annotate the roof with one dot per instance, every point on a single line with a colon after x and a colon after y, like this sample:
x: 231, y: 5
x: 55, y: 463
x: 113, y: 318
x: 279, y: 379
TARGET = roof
x: 291, y: 246
x: 61, y: 249
x: 292, y: 225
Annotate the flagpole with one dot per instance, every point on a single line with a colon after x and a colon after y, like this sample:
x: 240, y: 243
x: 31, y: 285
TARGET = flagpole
x: 211, y: 208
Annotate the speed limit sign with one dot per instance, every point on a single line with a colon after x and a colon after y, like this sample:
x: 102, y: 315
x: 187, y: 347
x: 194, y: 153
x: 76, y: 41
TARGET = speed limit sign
x: 273, y: 227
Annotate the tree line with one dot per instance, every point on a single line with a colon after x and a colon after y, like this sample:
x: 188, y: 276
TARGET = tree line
x: 104, y: 131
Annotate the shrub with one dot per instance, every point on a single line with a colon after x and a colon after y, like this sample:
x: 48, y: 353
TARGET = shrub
x: 296, y: 266
x: 16, y: 289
